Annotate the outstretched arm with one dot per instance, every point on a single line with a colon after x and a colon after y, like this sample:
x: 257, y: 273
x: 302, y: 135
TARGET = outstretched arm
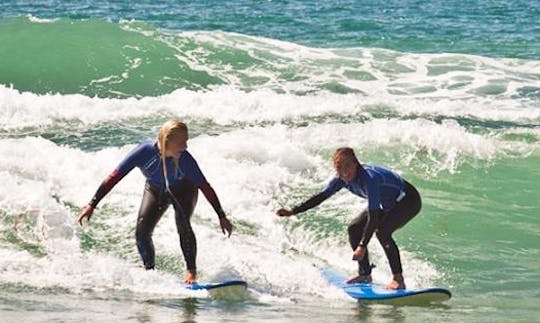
x: 372, y: 223
x: 134, y: 158
x: 310, y: 203
x: 102, y: 190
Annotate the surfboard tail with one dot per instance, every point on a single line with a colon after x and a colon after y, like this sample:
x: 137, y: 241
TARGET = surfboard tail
x: 229, y: 290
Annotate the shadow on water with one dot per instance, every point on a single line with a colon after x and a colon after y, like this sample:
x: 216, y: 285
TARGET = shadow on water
x: 395, y: 313
x: 190, y: 309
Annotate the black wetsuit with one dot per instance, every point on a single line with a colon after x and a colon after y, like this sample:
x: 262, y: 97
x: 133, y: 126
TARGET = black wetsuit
x: 388, y: 222
x: 185, y: 180
x: 392, y: 202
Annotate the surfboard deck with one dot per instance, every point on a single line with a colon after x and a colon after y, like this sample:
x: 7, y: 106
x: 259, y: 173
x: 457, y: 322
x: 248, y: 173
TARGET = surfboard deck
x: 227, y: 289
x: 378, y: 293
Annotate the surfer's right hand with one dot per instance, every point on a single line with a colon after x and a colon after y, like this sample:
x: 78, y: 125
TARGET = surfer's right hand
x: 284, y: 212
x: 359, y: 253
x: 86, y: 213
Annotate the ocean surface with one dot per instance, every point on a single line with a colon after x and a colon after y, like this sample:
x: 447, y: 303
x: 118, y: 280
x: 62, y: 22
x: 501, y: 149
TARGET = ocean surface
x: 447, y: 93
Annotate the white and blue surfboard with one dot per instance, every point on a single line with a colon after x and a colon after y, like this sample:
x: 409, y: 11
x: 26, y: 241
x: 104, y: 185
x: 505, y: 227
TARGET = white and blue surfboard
x: 378, y: 293
x: 227, y: 289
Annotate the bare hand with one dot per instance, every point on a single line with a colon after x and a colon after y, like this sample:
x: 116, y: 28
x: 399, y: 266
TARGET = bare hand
x: 284, y: 212
x: 86, y: 213
x: 225, y: 225
x: 359, y: 253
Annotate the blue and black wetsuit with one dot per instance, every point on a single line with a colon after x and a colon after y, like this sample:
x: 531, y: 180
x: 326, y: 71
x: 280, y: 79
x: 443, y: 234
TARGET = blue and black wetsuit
x: 184, y: 181
x: 392, y: 202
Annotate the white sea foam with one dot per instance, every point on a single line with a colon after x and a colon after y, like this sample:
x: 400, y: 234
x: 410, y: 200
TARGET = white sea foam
x: 374, y: 72
x: 277, y: 263
x: 225, y: 105
x: 41, y: 20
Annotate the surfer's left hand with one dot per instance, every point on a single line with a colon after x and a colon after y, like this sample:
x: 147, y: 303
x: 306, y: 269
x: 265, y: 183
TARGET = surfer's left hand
x: 359, y: 253
x: 225, y: 225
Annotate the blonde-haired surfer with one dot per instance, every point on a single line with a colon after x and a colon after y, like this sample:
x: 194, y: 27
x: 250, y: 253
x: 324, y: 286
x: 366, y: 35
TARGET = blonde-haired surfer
x: 172, y: 177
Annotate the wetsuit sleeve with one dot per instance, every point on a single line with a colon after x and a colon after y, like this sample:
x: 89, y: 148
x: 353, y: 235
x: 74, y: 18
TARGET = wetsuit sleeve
x: 125, y: 166
x: 372, y: 223
x: 331, y: 188
x: 106, y: 186
x: 310, y: 203
x: 191, y: 170
x: 212, y: 198
x: 194, y: 173
x: 374, y: 214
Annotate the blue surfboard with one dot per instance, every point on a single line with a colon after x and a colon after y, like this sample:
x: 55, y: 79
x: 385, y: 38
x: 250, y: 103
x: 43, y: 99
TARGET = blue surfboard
x: 378, y: 293
x: 227, y: 289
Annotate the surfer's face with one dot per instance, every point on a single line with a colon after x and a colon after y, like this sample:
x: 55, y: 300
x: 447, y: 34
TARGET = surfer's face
x: 176, y: 145
x: 346, y: 168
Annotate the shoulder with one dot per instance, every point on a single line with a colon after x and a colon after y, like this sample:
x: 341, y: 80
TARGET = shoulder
x: 369, y: 170
x: 187, y: 159
x: 381, y: 174
x: 187, y: 156
x: 147, y: 145
x: 144, y: 147
x: 375, y: 171
x: 371, y: 176
x: 191, y: 168
x: 334, y: 182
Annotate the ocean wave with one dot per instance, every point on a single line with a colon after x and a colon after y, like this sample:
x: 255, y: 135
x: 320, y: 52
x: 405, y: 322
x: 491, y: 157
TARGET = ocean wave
x: 136, y: 59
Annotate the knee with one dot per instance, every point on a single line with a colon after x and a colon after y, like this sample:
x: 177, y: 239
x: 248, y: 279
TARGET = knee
x: 142, y: 235
x: 183, y: 226
x: 419, y: 206
x: 194, y: 199
x: 350, y: 228
x: 353, y: 233
x: 354, y: 228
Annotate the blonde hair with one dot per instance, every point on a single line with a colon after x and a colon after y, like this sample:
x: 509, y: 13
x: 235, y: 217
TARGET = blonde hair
x: 342, y: 153
x: 169, y: 130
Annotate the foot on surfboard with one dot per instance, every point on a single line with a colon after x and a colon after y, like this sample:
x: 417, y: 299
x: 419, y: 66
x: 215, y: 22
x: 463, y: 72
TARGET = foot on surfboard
x: 358, y: 279
x: 397, y: 282
x: 191, y: 277
x: 394, y: 284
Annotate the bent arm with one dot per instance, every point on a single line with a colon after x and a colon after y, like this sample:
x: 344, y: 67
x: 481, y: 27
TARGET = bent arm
x: 372, y: 223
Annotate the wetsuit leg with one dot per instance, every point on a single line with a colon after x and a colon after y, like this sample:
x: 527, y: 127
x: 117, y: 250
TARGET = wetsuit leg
x: 355, y: 230
x: 153, y: 205
x: 394, y: 219
x: 185, y: 194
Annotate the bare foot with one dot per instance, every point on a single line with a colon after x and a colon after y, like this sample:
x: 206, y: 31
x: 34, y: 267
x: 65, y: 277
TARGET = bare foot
x: 358, y: 279
x: 191, y: 277
x: 396, y: 283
